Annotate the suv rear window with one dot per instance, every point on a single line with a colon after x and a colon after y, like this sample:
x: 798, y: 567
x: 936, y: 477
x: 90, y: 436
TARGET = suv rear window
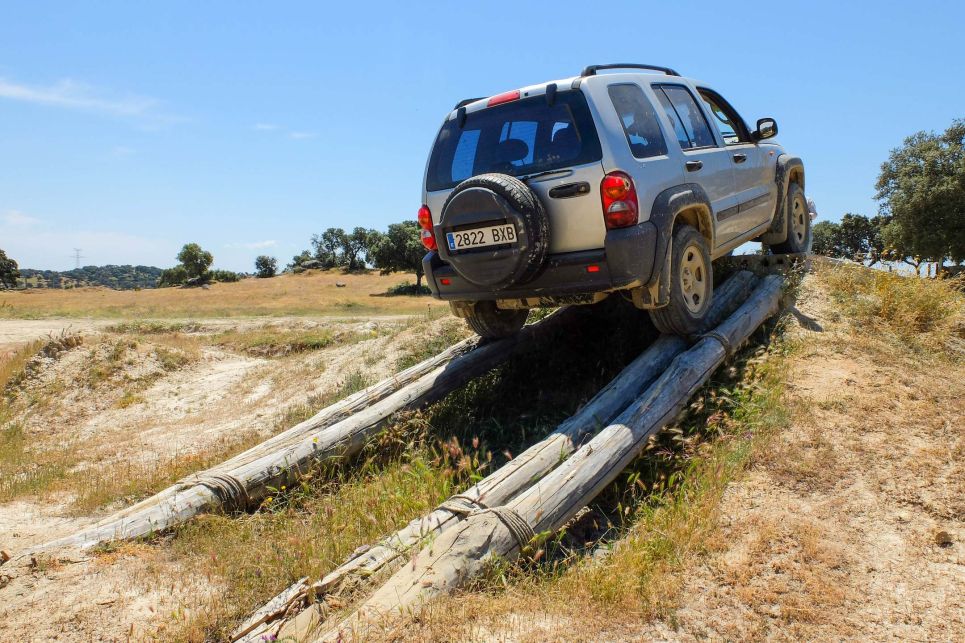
x: 521, y: 137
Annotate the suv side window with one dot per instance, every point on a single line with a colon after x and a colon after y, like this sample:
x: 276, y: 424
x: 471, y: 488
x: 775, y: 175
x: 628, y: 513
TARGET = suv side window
x: 728, y: 122
x: 639, y: 121
x: 683, y: 111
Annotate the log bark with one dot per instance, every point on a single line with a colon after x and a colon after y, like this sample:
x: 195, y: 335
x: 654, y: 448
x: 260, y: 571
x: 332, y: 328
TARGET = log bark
x: 337, y: 431
x: 495, y: 490
x: 462, y: 551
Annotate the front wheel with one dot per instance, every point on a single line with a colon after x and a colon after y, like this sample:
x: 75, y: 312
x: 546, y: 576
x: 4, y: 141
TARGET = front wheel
x: 798, y: 224
x: 490, y: 322
x: 691, y: 285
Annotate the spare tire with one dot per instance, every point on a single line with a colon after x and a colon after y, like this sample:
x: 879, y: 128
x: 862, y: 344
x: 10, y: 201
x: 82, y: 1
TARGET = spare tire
x: 492, y: 200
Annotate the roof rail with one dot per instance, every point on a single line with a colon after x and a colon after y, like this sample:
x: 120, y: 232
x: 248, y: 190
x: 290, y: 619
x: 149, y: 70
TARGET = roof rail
x: 466, y: 101
x: 592, y: 69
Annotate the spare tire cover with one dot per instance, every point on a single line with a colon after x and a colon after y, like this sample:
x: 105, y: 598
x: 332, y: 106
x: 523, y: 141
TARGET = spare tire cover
x: 491, y: 200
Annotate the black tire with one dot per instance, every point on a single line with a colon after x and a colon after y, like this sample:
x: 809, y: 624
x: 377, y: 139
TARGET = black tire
x: 490, y: 199
x: 490, y: 322
x: 798, y: 237
x: 689, y: 255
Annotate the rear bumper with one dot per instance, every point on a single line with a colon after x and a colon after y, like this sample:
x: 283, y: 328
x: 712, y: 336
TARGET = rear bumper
x: 625, y: 261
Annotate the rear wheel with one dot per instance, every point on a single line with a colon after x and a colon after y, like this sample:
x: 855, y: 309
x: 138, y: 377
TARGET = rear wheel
x: 798, y: 223
x: 691, y: 285
x: 490, y: 322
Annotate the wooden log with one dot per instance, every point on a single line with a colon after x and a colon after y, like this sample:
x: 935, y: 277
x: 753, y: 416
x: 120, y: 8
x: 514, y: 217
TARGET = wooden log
x: 462, y: 551
x: 338, y: 431
x: 496, y: 489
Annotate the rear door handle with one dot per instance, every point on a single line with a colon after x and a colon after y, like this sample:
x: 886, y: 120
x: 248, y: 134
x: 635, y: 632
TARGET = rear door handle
x: 693, y: 166
x: 740, y: 158
x: 569, y: 190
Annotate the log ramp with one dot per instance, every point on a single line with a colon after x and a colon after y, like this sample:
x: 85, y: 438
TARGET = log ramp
x: 539, y: 490
x: 338, y: 431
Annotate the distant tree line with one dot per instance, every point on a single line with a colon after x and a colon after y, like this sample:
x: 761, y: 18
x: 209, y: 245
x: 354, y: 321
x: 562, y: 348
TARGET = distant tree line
x: 921, y: 191
x: 398, y: 249
x: 122, y: 277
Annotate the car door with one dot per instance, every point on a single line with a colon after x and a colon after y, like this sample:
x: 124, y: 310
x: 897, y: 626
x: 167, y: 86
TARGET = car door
x: 706, y: 161
x: 756, y: 191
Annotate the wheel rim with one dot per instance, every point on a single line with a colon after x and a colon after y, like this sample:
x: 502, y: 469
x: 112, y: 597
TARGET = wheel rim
x: 799, y: 224
x: 693, y: 278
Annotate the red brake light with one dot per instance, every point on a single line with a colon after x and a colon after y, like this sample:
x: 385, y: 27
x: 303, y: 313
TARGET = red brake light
x: 425, y: 218
x: 620, y: 207
x: 425, y: 222
x: 505, y: 97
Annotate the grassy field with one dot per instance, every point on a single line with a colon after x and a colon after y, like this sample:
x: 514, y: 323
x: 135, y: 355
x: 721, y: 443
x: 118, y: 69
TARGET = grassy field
x: 310, y: 293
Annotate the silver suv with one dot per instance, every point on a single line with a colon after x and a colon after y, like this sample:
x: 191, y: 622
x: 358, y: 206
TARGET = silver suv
x: 568, y: 191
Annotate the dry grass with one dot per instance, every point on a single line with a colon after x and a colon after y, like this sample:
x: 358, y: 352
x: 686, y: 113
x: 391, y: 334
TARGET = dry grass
x: 775, y: 571
x: 270, y: 341
x: 310, y: 293
x: 12, y: 365
x: 600, y: 580
x: 920, y: 313
x: 308, y: 531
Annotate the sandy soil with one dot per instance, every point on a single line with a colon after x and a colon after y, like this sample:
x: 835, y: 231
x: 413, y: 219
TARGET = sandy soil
x: 15, y: 332
x: 853, y: 524
x: 136, y: 592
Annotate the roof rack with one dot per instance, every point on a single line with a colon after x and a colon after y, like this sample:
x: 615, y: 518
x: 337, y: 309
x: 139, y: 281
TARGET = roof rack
x: 466, y: 101
x: 592, y: 69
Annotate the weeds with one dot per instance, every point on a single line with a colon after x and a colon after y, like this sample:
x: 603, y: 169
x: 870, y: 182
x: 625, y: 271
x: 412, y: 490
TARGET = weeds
x: 154, y: 327
x: 619, y: 561
x: 14, y: 367
x: 271, y: 342
x: 449, y: 332
x: 307, y: 530
x: 919, y: 313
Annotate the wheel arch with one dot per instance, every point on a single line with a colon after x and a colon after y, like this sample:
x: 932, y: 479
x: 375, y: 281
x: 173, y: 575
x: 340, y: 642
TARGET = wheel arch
x: 683, y: 204
x: 789, y: 169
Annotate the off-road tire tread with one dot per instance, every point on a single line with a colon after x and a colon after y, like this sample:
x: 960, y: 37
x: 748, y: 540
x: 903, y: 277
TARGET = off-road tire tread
x: 490, y: 322
x: 674, y: 318
x: 790, y: 245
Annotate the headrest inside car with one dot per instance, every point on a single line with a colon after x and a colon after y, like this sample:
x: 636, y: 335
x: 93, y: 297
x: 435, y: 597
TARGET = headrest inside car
x: 511, y: 150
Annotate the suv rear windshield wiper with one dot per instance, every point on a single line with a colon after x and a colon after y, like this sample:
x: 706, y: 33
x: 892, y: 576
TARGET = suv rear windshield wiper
x: 536, y: 175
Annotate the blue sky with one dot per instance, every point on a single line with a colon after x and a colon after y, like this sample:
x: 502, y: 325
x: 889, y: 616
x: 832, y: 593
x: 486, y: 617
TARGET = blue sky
x: 128, y: 130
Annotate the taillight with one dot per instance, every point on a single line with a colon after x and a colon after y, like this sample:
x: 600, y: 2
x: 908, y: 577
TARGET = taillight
x: 620, y: 208
x: 505, y: 97
x: 425, y: 222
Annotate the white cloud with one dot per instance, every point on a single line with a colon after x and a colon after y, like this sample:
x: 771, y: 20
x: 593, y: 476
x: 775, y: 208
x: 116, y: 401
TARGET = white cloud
x: 253, y: 245
x: 74, y: 95
x: 19, y: 219
x: 70, y: 94
x: 297, y: 135
x: 122, y: 151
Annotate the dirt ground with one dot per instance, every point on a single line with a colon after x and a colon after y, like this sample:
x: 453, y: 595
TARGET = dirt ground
x: 851, y: 525
x: 137, y: 592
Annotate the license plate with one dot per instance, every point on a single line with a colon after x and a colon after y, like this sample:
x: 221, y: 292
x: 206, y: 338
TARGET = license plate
x: 480, y: 237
